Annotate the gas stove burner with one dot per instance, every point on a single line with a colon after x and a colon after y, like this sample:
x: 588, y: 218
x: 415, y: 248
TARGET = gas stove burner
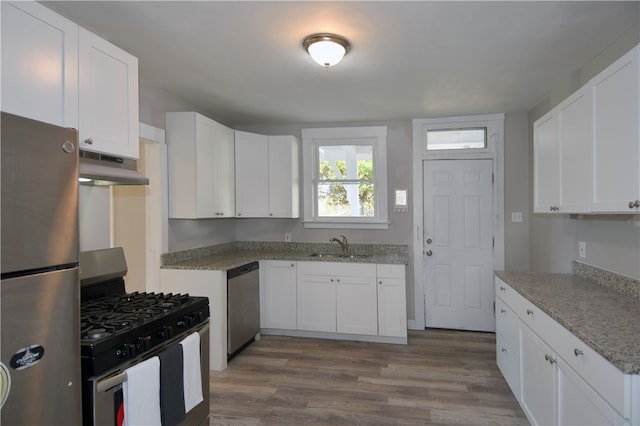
x: 96, y: 333
x: 116, y: 328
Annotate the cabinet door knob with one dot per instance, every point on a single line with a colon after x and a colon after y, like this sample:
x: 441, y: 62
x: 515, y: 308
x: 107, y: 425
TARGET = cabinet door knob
x: 239, y: 214
x: 88, y: 141
x: 502, y: 311
x: 502, y: 288
x: 380, y: 282
x: 429, y: 253
x: 578, y: 352
x: 546, y: 357
x: 270, y: 214
x: 529, y: 312
x: 504, y: 350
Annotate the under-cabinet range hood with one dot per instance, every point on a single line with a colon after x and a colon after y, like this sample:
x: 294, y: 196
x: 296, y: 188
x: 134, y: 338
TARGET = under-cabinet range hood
x: 104, y: 170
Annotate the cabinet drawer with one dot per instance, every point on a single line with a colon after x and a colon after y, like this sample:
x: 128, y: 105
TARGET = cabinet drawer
x: 594, y: 369
x: 391, y: 271
x: 507, y: 323
x: 510, y: 297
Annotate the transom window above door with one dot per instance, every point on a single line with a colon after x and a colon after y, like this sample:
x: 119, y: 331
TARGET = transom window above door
x: 345, y: 177
x: 468, y: 138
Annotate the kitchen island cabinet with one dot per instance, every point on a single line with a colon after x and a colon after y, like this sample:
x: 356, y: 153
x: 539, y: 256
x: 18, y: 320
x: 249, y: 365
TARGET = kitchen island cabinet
x: 201, y: 172
x: 559, y: 379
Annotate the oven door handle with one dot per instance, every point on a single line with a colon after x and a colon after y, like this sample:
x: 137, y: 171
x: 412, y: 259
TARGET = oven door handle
x: 118, y: 379
x: 108, y: 383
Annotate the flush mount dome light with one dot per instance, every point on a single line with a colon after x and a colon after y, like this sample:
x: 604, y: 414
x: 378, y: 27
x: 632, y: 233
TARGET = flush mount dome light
x: 326, y: 49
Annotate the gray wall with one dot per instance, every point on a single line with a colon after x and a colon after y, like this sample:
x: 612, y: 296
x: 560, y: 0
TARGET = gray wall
x: 612, y: 242
x: 516, y: 191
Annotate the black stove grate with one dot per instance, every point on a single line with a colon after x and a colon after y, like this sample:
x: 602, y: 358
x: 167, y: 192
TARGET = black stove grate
x: 117, y: 328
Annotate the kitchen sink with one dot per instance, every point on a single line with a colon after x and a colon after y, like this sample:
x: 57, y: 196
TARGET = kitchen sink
x: 341, y: 255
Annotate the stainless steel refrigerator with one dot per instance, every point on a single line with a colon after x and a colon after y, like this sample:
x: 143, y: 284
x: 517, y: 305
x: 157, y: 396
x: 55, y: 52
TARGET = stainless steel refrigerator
x: 40, y: 377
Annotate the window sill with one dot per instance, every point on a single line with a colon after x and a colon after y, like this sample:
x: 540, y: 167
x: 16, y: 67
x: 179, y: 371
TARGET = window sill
x: 345, y: 225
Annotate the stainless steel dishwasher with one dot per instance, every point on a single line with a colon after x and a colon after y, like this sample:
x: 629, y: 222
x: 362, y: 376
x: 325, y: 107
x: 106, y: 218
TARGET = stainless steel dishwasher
x: 243, y: 307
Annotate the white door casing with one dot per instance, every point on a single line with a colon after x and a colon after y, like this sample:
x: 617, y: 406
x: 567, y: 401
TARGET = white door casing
x: 494, y: 150
x: 458, y: 246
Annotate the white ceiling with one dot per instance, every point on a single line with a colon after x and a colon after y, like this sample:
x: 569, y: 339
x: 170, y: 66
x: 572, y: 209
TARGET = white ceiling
x: 243, y: 61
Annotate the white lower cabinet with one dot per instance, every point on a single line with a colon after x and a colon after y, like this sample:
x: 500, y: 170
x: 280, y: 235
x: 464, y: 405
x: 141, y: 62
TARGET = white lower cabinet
x: 392, y: 301
x: 204, y: 283
x: 278, y: 294
x: 538, y: 396
x: 508, y: 345
x: 337, y: 297
x: 556, y: 378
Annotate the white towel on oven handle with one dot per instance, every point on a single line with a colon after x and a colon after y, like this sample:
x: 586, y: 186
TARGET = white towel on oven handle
x: 141, y: 394
x: 191, y: 369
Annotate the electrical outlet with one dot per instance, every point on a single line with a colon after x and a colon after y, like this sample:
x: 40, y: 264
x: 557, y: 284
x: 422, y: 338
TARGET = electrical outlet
x: 516, y: 217
x: 287, y: 237
x: 582, y: 249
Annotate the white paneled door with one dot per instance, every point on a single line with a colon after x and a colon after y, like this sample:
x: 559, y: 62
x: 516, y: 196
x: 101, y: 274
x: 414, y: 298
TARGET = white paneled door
x: 458, y: 244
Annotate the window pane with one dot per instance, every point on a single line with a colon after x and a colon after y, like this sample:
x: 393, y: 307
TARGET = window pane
x: 346, y: 199
x: 457, y: 139
x: 341, y: 162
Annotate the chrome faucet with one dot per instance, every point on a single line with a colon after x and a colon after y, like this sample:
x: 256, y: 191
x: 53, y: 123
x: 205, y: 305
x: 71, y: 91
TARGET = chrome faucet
x: 343, y: 243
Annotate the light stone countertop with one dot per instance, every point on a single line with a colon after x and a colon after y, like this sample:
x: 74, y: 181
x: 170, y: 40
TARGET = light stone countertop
x: 603, y: 317
x: 228, y: 256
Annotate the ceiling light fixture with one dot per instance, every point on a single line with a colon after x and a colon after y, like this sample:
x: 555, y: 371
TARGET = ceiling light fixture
x: 326, y: 49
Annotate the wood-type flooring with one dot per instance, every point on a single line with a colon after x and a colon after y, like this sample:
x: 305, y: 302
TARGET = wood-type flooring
x: 441, y: 377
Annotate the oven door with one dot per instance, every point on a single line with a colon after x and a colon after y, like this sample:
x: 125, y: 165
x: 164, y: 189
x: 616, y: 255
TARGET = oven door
x: 107, y: 389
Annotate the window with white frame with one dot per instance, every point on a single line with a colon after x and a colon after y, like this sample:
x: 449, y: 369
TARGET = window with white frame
x: 345, y: 177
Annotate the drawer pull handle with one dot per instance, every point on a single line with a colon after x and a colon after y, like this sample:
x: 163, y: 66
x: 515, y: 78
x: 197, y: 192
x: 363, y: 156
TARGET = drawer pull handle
x: 529, y: 312
x: 546, y: 357
x: 502, y: 288
x: 578, y: 352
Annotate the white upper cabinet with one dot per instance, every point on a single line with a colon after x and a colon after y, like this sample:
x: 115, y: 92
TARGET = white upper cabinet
x: 57, y: 72
x: 616, y: 165
x: 575, y: 143
x: 267, y: 176
x: 39, y: 64
x: 546, y: 173
x: 201, y: 173
x: 108, y: 91
x: 587, y: 149
x: 252, y: 175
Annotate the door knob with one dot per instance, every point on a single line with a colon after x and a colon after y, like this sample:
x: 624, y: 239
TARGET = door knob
x: 429, y: 253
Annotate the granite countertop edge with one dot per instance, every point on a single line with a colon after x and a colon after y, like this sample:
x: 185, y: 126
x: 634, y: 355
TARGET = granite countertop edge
x: 233, y: 255
x: 603, y: 318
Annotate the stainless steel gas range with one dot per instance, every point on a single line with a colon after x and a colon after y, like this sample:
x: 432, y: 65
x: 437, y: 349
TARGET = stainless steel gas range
x: 120, y: 330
